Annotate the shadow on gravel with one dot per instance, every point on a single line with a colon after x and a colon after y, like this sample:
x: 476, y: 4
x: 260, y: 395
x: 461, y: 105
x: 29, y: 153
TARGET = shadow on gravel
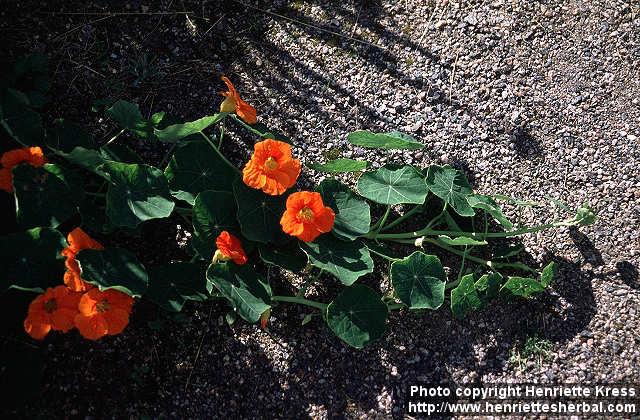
x: 587, y: 249
x: 525, y: 144
x: 628, y: 273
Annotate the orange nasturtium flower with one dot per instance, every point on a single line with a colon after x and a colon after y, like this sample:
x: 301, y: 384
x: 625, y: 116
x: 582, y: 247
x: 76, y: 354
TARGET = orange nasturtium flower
x: 78, y: 240
x: 55, y: 310
x: 229, y: 248
x: 233, y: 103
x: 306, y: 216
x: 102, y: 313
x: 271, y: 168
x: 31, y: 155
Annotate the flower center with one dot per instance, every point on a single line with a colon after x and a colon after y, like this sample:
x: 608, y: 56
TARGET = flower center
x: 50, y: 305
x: 271, y: 163
x: 103, y: 306
x: 306, y: 214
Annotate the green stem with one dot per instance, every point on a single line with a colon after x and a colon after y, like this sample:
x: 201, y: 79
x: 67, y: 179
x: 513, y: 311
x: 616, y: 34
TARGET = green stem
x: 402, y: 218
x: 300, y: 301
x: 224, y: 159
x: 245, y: 125
x: 438, y: 217
x: 95, y: 194
x: 7, y: 127
x: 450, y: 249
x: 380, y: 223
x: 464, y: 258
x: 452, y: 284
x: 167, y: 155
x: 114, y: 137
x: 491, y: 264
x: 221, y: 137
x: 380, y: 254
x: 395, y: 306
x: 451, y: 233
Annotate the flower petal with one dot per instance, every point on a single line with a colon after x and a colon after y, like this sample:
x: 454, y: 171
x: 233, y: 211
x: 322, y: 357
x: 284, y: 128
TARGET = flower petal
x: 91, y: 327
x: 37, y: 325
x: 117, y: 319
x: 63, y: 319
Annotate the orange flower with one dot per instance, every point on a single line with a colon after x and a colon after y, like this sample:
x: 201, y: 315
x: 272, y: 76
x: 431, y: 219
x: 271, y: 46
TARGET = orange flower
x: 233, y: 103
x: 102, y: 313
x: 306, y: 216
x: 229, y: 248
x: 78, y: 240
x: 271, y: 168
x: 31, y: 155
x: 55, y: 310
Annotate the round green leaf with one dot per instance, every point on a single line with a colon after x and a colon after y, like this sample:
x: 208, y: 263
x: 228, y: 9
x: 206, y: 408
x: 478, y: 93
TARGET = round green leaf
x: 452, y: 187
x: 170, y: 286
x: 390, y: 140
x: 125, y: 113
x: 464, y: 298
x: 353, y: 216
x: 113, y: 268
x: 128, y: 116
x: 419, y: 280
x: 136, y: 193
x: 45, y: 196
x: 357, y: 316
x: 247, y: 293
x: 521, y: 286
x: 290, y: 258
x: 31, y: 260
x: 348, y: 261
x: 337, y: 166
x: 259, y: 214
x: 393, y: 184
x: 18, y: 120
x: 488, y: 286
x: 195, y: 167
x: 213, y: 212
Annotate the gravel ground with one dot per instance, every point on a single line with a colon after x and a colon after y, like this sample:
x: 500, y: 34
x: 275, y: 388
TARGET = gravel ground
x: 530, y: 99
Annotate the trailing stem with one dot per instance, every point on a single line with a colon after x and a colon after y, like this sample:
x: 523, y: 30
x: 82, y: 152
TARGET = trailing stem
x: 300, y: 301
x: 224, y: 159
x: 476, y: 235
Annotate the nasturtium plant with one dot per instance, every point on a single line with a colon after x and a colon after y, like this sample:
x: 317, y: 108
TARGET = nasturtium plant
x: 136, y: 193
x: 248, y: 223
x: 113, y: 268
x: 340, y: 165
x: 171, y: 285
x: 451, y: 186
x: 358, y: 316
x: 353, y: 214
x: 45, y: 196
x: 347, y: 261
x: 194, y: 168
x: 393, y: 184
x: 248, y: 294
x: 213, y: 212
x: 31, y: 260
x: 391, y: 140
x: 418, y: 281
